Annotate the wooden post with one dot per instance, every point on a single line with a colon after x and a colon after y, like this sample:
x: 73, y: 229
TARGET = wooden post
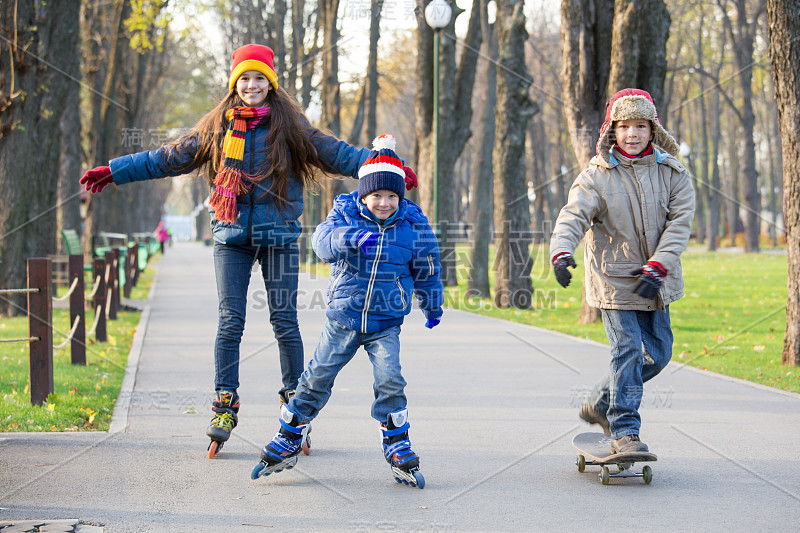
x: 109, y: 282
x: 99, y: 269
x: 77, y: 308
x: 40, y: 324
x: 136, y: 264
x: 130, y: 279
x: 115, y: 288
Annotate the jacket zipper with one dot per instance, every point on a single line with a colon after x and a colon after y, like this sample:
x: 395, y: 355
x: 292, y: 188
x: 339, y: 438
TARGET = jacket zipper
x: 373, y: 274
x: 402, y: 293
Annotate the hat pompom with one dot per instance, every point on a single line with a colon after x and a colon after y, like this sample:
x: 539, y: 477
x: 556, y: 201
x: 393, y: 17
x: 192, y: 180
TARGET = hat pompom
x: 384, y: 142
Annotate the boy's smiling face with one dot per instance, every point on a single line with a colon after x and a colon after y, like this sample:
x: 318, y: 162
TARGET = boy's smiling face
x: 381, y: 203
x: 633, y: 136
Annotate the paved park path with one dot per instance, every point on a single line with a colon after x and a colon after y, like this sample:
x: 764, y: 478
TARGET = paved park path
x: 493, y: 408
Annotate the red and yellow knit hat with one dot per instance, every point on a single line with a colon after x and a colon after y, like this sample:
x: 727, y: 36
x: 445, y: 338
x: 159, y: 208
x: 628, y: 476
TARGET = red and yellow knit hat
x: 630, y: 104
x: 253, y: 57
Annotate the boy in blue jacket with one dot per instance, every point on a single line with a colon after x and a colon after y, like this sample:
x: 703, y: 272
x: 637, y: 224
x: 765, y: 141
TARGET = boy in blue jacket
x: 381, y: 249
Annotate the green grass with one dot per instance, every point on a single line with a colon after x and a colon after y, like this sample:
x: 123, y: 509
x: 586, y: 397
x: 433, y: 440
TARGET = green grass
x: 84, y: 396
x: 731, y: 320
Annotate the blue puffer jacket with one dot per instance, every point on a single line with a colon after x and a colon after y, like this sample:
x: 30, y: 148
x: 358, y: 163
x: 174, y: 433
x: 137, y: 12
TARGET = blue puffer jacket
x: 369, y: 293
x: 259, y: 221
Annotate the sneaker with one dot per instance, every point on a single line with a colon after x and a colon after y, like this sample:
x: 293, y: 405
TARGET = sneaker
x: 628, y: 444
x: 589, y: 414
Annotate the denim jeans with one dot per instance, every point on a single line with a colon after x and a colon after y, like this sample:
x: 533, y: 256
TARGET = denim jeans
x: 619, y: 393
x: 279, y: 267
x: 337, y: 346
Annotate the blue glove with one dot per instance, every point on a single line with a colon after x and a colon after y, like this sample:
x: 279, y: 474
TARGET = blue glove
x: 367, y: 240
x: 434, y: 316
x: 432, y: 323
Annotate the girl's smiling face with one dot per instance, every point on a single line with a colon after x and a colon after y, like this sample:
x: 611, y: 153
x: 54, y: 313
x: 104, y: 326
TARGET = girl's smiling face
x: 252, y: 87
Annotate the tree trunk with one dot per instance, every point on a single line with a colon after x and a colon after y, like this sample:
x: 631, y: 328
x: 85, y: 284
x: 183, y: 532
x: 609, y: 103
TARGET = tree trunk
x: 743, y: 38
x: 784, y: 51
x: 513, y: 286
x: 585, y: 29
x: 455, y: 114
x: 278, y: 42
x: 733, y: 189
x: 371, y: 86
x: 296, y: 56
x: 33, y: 98
x: 69, y: 190
x: 482, y: 205
x: 331, y: 98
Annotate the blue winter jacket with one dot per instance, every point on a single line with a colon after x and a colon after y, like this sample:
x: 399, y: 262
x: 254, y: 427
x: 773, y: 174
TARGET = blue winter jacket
x: 369, y: 293
x: 259, y: 220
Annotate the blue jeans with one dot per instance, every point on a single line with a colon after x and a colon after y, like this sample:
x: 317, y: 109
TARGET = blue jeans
x: 337, y: 346
x: 619, y: 393
x: 279, y: 267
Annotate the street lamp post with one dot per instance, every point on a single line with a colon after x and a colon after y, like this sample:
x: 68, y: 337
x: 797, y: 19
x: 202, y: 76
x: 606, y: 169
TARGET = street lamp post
x: 437, y: 15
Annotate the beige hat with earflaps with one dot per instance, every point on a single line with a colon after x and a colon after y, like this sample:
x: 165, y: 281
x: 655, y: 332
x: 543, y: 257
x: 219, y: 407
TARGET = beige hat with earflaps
x: 630, y: 104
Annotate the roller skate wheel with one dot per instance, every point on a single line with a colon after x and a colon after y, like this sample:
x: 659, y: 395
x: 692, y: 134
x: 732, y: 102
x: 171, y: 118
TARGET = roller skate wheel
x: 420, y: 480
x: 256, y: 472
x: 213, y: 448
x: 307, y: 448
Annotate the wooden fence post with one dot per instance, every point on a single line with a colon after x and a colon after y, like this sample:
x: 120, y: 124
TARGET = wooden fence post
x: 129, y: 277
x: 112, y: 311
x: 115, y: 288
x: 77, y: 308
x: 99, y: 269
x: 40, y: 324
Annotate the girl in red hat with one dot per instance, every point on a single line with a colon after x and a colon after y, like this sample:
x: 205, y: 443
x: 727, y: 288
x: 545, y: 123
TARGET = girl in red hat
x: 635, y: 204
x: 258, y: 152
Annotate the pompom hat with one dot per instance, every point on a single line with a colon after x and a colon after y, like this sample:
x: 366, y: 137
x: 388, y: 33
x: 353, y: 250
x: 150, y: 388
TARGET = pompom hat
x: 253, y: 57
x: 383, y: 170
x: 631, y: 104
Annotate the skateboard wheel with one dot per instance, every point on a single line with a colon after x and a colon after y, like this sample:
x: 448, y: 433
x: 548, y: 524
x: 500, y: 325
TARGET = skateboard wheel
x: 647, y: 474
x: 212, y: 449
x: 581, y: 462
x: 605, y: 475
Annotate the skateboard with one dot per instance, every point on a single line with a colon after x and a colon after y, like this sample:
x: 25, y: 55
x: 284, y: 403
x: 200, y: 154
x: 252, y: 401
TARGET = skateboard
x: 595, y: 449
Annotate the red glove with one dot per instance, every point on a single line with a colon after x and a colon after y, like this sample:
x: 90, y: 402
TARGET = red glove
x: 411, y: 178
x: 97, y: 179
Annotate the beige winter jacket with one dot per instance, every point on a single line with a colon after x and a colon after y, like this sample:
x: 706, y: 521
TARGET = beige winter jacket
x: 632, y: 211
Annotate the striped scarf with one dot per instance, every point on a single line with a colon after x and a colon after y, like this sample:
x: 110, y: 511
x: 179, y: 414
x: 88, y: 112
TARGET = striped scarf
x: 230, y: 180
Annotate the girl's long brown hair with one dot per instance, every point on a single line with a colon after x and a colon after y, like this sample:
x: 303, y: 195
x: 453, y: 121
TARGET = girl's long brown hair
x: 290, y: 150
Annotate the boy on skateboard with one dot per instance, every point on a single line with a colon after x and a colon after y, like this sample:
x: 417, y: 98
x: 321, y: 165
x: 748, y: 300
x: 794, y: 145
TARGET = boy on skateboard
x: 635, y: 205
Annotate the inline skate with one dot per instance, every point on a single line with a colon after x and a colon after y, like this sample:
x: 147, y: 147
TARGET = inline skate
x: 398, y: 452
x: 226, y: 407
x: 282, y: 451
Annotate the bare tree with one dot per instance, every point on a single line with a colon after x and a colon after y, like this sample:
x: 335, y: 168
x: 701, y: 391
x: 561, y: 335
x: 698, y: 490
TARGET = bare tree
x: 513, y: 286
x: 784, y: 48
x: 33, y: 98
x: 371, y: 85
x: 482, y: 204
x: 331, y: 98
x: 455, y: 114
x: 742, y: 36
